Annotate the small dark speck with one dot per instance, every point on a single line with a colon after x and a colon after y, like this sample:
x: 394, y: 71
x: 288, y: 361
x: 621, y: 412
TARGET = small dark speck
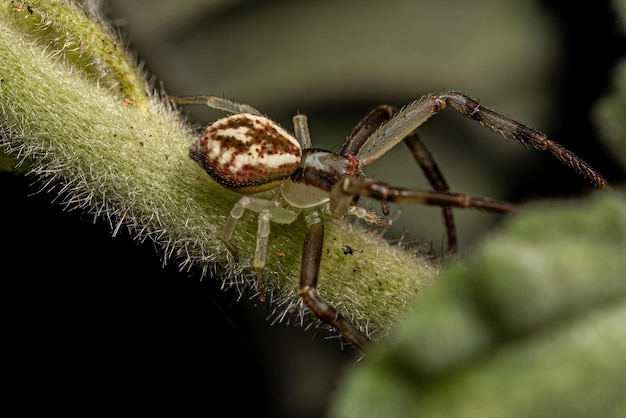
x: 347, y: 250
x: 30, y: 9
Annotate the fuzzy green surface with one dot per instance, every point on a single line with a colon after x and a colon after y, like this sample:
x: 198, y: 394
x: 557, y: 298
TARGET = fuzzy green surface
x: 533, y: 327
x: 78, y: 112
x: 610, y: 113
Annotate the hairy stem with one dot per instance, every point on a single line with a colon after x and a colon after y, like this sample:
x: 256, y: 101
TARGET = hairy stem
x: 79, y: 114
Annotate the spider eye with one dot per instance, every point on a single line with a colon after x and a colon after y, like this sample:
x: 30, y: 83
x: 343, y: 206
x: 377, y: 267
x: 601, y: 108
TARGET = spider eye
x: 247, y: 153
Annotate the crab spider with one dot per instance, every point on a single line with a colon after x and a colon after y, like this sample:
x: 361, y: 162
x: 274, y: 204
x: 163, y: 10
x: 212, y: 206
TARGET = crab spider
x: 280, y: 175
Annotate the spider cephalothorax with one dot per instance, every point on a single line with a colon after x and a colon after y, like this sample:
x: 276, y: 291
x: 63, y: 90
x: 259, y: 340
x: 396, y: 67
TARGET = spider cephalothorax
x: 252, y: 155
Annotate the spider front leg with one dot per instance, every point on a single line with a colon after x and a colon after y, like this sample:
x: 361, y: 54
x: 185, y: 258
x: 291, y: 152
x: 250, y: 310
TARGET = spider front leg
x: 368, y: 125
x: 412, y: 116
x: 309, y: 272
x: 342, y: 194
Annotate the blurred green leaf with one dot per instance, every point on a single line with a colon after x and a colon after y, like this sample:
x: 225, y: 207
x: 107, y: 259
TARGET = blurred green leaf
x: 610, y: 114
x: 534, y: 326
x: 610, y: 111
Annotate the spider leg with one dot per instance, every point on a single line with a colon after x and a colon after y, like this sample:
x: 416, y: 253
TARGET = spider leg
x: 214, y: 102
x: 268, y: 210
x: 349, y: 186
x: 260, y: 250
x: 431, y: 170
x: 231, y: 223
x: 412, y: 116
x: 369, y: 124
x: 301, y: 131
x: 309, y: 272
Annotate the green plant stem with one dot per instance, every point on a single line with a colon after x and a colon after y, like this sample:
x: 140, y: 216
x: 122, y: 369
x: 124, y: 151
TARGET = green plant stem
x: 77, y: 111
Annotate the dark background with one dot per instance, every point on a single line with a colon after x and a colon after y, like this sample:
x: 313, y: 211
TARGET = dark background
x: 95, y: 320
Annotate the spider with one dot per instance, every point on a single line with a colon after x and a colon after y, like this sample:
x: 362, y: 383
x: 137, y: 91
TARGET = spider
x: 280, y: 176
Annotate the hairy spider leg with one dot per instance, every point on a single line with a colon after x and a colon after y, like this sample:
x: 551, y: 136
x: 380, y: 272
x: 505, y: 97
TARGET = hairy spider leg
x: 349, y: 186
x: 268, y: 210
x: 431, y: 170
x: 312, y: 257
x: 412, y: 116
x: 309, y: 272
x: 369, y: 124
x: 214, y: 102
x: 301, y: 131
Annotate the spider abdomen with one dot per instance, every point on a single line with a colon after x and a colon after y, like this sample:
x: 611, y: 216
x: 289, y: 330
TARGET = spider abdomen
x: 247, y: 153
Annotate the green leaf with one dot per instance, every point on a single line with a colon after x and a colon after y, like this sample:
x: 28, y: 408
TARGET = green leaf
x: 532, y: 327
